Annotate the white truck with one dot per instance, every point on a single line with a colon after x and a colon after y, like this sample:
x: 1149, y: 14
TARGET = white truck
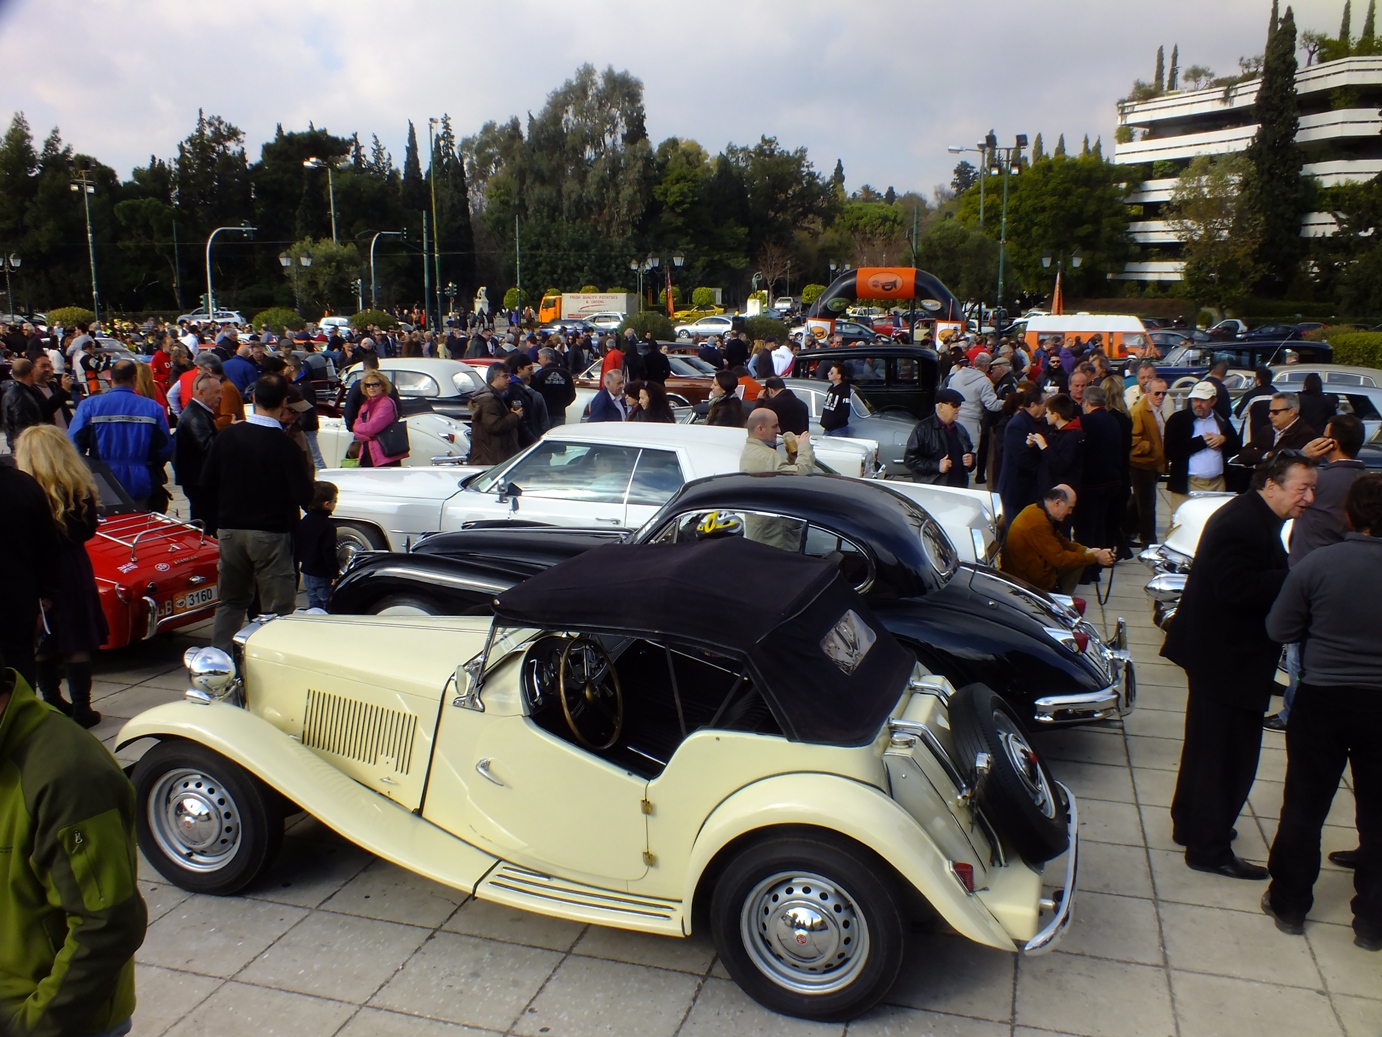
x: 575, y: 305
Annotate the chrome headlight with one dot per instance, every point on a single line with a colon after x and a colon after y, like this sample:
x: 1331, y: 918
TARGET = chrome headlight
x: 211, y: 673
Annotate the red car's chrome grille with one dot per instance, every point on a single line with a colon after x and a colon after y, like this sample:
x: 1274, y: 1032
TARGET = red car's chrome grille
x: 359, y: 730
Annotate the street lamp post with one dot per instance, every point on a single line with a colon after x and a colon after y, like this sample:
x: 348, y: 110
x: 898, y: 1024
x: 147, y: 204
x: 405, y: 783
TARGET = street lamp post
x: 359, y: 285
x: 654, y: 260
x: 642, y: 266
x: 373, y: 288
x: 316, y: 163
x: 10, y: 262
x: 982, y: 149
x: 451, y: 291
x: 87, y: 187
x: 287, y: 261
x: 1076, y: 258
x: 244, y: 228
x: 1012, y: 158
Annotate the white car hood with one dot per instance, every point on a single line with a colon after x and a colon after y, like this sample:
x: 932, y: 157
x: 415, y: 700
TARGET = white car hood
x: 433, y: 484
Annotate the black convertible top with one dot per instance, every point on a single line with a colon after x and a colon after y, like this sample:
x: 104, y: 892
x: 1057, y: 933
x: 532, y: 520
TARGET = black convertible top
x: 830, y: 671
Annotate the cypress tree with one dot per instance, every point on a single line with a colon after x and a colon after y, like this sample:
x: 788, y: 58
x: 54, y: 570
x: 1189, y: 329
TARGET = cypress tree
x: 1060, y: 147
x: 1038, y: 149
x: 1173, y: 77
x: 1367, y: 43
x: 1098, y: 150
x: 1347, y: 27
x: 1084, y: 150
x: 1159, y: 77
x: 1273, y: 192
x: 414, y: 188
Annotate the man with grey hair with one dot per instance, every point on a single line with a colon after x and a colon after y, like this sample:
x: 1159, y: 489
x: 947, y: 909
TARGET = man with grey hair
x: 554, y: 384
x: 192, y: 442
x: 1286, y: 431
x: 608, y: 403
x: 974, y: 385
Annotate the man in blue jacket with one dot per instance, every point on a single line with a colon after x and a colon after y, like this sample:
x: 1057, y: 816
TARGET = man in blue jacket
x: 125, y: 430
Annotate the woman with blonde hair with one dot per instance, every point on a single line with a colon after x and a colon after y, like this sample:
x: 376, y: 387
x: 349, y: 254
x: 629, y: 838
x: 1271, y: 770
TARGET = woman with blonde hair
x: 377, y: 413
x: 75, y: 625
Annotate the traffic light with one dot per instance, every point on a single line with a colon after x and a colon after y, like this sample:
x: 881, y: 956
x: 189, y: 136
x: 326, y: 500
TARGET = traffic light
x: 206, y: 306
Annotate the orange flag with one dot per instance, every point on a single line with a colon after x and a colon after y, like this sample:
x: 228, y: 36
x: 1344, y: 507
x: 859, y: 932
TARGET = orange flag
x: 1057, y: 298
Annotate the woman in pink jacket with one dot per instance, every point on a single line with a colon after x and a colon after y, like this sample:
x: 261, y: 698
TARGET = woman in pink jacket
x: 376, y: 414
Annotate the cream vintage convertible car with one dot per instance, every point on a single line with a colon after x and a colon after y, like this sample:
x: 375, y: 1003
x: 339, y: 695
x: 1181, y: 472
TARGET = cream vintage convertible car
x: 646, y: 760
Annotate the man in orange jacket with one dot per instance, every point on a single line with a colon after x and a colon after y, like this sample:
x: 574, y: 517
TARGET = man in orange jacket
x: 1148, y: 458
x: 1037, y: 551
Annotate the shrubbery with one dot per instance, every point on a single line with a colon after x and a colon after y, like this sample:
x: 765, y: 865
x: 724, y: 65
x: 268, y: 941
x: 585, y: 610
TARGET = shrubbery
x: 514, y: 298
x: 277, y: 318
x: 703, y: 297
x: 763, y: 327
x: 1363, y: 348
x: 67, y: 316
x: 811, y: 293
x: 650, y: 320
x: 362, y: 320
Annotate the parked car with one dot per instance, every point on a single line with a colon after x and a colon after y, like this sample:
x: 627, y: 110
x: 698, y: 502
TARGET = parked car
x: 607, y: 475
x: 689, y: 383
x: 608, y: 321
x: 446, y: 385
x: 704, y: 327
x: 568, y: 326
x: 1230, y: 328
x: 222, y: 317
x: 890, y: 376
x: 1279, y: 332
x: 1186, y: 364
x: 650, y: 761
x: 966, y: 622
x: 889, y: 429
x: 1336, y: 377
x: 430, y: 435
x: 153, y: 572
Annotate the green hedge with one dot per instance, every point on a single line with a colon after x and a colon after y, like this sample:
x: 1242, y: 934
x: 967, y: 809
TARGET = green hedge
x: 362, y: 320
x: 649, y: 320
x: 68, y: 316
x: 763, y: 327
x: 277, y: 318
x: 1361, y: 348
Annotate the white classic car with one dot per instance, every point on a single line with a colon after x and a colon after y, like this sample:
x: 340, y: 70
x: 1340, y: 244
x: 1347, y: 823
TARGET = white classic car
x: 605, y: 475
x: 643, y: 760
x: 430, y: 436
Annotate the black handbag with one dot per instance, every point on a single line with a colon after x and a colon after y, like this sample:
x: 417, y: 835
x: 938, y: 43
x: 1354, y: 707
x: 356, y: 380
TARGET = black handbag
x: 394, y: 439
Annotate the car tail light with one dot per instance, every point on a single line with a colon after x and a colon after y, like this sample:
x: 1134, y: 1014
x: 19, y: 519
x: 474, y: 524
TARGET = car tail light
x: 450, y: 437
x: 965, y: 873
x: 1081, y: 639
x: 1078, y: 604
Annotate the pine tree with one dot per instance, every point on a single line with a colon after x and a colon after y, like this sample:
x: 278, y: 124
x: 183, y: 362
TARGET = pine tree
x: 380, y: 161
x: 1098, y: 150
x: 1060, y: 147
x: 1159, y: 78
x: 1038, y: 149
x: 1173, y: 76
x: 1346, y: 28
x: 1274, y: 197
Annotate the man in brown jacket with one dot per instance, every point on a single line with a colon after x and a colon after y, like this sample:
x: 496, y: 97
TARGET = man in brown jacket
x: 1148, y: 458
x: 494, y: 424
x: 1037, y: 551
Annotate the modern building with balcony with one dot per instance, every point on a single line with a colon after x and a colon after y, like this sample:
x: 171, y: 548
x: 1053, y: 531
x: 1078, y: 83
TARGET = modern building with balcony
x: 1340, y: 133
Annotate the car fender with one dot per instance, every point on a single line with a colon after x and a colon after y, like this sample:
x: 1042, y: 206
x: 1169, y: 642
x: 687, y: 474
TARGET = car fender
x: 366, y: 818
x: 864, y: 814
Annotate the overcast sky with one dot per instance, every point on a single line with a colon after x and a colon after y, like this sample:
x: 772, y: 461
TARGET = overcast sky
x: 884, y: 85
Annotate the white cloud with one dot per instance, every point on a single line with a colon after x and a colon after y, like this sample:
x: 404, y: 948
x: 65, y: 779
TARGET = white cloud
x: 884, y: 85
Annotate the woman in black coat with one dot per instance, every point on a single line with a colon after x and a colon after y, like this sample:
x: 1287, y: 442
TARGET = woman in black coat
x: 1316, y: 405
x: 75, y: 626
x: 1018, y: 476
x: 1062, y: 447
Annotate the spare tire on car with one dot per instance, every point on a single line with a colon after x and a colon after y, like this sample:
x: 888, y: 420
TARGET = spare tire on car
x: 1017, y: 793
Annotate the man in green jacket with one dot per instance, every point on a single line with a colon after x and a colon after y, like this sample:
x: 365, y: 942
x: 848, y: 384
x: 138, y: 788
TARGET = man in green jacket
x: 71, y: 916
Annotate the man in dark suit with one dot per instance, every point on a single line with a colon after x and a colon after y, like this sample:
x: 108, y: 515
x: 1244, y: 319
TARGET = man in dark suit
x: 1286, y: 432
x: 1219, y: 637
x: 792, y: 413
x: 608, y: 403
x: 1223, y: 402
x: 192, y: 443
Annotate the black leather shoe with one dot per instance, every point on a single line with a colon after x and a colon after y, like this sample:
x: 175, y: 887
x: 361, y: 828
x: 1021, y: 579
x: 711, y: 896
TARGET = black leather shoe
x: 1286, y: 923
x: 1368, y: 943
x: 1233, y: 868
x: 1274, y: 723
x: 1344, y: 858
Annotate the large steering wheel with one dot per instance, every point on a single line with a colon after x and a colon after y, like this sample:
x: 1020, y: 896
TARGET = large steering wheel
x: 588, y: 687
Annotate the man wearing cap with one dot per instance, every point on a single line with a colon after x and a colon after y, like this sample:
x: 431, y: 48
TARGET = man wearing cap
x: 1197, y: 442
x: 939, y: 449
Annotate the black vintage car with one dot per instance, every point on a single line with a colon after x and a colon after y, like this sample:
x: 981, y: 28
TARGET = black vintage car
x: 967, y: 623
x: 890, y: 376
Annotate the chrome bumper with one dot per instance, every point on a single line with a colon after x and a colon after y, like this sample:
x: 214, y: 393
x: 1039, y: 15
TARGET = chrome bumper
x: 1063, y: 903
x: 1109, y: 703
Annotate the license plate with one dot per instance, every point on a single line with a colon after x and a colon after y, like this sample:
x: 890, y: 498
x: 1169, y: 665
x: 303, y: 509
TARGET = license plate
x: 194, y: 599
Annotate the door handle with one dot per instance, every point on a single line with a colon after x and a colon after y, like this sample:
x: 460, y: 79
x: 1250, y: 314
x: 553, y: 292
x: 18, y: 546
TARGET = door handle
x: 610, y: 521
x: 482, y: 768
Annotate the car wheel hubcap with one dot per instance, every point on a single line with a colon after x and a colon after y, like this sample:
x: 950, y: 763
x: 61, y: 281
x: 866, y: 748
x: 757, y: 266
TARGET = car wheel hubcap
x: 803, y: 932
x: 194, y: 820
x: 1025, y: 762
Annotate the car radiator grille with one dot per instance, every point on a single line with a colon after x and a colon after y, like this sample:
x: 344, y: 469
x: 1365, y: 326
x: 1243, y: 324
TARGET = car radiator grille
x: 359, y: 731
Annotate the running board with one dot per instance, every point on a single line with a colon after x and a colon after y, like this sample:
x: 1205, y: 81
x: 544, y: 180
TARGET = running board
x: 514, y: 886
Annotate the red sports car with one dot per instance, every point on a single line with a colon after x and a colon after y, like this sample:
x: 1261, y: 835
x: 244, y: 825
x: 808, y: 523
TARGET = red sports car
x: 154, y: 573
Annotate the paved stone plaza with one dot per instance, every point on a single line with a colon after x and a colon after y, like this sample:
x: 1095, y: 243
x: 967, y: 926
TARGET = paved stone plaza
x: 335, y: 941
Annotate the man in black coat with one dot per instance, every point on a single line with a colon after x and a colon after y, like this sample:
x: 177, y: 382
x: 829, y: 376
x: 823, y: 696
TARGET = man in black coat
x: 736, y: 351
x: 31, y: 574
x: 792, y: 413
x: 1104, y: 458
x: 1219, y: 637
x: 191, y: 444
x: 1198, y: 442
x: 656, y: 366
x: 939, y: 449
x: 1286, y: 431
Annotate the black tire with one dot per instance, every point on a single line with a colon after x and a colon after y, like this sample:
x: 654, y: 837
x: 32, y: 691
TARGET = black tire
x: 172, y: 782
x: 406, y: 605
x: 856, y: 899
x: 356, y: 538
x: 1018, y: 795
